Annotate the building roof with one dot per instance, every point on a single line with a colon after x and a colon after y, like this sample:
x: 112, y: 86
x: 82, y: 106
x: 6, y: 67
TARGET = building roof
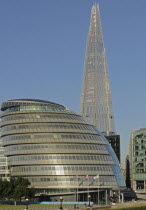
x: 18, y: 102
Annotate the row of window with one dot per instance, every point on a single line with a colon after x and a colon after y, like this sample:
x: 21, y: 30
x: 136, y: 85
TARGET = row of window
x: 55, y: 146
x: 140, y: 159
x: 50, y: 141
x: 46, y: 136
x: 140, y: 153
x: 61, y: 157
x: 34, y: 107
x: 139, y: 165
x: 41, y: 116
x: 2, y: 152
x: 48, y: 126
x: 142, y: 147
x: 3, y: 168
x: 139, y: 142
x: 91, y: 180
x: 84, y: 136
x: 140, y: 135
x: 3, y: 159
x: 63, y: 168
x: 140, y: 171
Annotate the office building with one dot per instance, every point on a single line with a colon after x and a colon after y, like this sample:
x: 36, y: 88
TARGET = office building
x: 96, y: 102
x: 57, y: 150
x: 137, y: 155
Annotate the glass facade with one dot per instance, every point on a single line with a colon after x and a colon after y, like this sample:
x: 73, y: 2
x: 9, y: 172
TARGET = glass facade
x: 96, y: 103
x: 53, y: 146
x: 114, y: 141
x: 138, y: 159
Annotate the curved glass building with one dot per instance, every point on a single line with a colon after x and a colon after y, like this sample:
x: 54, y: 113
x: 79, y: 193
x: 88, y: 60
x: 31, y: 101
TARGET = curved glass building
x: 56, y: 149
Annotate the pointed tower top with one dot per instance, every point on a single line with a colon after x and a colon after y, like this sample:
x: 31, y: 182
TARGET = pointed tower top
x: 95, y: 8
x: 95, y: 3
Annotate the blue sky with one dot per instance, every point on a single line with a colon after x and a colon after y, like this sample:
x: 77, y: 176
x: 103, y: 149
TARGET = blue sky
x: 42, y: 49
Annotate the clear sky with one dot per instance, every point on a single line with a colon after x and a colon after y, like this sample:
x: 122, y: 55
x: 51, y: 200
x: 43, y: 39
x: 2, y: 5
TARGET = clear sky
x: 42, y: 49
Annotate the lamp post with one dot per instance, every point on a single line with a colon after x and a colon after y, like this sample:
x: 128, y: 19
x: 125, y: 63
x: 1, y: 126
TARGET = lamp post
x: 26, y: 203
x: 61, y: 202
x: 89, y: 196
x: 76, y: 183
x: 98, y: 190
x: 97, y: 177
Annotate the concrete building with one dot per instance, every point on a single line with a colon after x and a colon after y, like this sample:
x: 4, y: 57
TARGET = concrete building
x: 58, y: 151
x: 137, y: 155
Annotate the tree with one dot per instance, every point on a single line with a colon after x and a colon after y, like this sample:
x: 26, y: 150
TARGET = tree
x: 8, y: 189
x: 21, y: 189
x: 15, y: 189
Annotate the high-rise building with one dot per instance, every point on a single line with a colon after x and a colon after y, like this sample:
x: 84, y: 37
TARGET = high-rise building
x: 96, y: 103
x: 58, y: 151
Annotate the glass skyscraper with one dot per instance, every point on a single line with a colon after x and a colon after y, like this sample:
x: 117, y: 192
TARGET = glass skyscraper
x: 96, y: 103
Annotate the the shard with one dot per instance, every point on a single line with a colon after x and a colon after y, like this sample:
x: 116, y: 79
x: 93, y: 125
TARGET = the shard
x: 96, y: 102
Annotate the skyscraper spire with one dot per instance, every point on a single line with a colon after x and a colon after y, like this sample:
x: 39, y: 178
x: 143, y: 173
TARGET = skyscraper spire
x: 96, y: 103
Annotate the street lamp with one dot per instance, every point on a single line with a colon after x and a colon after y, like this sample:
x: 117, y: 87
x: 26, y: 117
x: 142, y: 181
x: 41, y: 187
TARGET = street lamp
x: 97, y: 177
x: 61, y: 202
x: 26, y: 203
x: 89, y: 196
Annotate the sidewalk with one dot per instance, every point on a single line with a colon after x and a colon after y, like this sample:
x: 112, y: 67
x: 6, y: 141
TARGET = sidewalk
x: 130, y: 204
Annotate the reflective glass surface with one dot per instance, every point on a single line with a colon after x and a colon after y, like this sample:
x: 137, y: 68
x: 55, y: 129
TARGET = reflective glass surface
x: 52, y: 146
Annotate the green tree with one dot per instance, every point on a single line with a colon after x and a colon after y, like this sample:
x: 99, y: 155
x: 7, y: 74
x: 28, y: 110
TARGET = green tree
x: 3, y: 186
x: 7, y: 189
x: 15, y: 189
x: 21, y: 189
